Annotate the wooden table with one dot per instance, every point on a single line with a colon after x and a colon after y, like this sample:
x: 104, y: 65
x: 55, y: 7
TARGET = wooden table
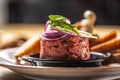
x: 6, y: 74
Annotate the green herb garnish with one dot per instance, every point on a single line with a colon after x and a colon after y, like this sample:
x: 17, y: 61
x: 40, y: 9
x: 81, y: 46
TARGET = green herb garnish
x: 59, y: 23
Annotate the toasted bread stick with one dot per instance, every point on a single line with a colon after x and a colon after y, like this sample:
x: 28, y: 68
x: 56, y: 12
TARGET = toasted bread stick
x: 117, y: 50
x: 9, y: 44
x: 106, y: 46
x: 32, y: 46
x: 116, y: 57
x: 104, y: 38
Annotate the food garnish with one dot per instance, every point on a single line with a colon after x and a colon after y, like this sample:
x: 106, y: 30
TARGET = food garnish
x: 60, y: 23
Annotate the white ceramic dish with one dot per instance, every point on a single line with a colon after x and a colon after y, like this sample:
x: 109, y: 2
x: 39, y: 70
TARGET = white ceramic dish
x: 58, y: 73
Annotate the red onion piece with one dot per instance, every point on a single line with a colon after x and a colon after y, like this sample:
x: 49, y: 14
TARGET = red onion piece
x: 68, y: 20
x: 48, y: 28
x: 45, y: 26
x: 54, y: 35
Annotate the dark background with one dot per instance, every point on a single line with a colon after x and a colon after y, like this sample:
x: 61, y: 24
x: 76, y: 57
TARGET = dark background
x: 37, y: 11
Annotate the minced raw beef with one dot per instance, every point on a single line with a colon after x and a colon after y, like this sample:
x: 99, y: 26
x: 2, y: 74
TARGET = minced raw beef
x: 70, y: 47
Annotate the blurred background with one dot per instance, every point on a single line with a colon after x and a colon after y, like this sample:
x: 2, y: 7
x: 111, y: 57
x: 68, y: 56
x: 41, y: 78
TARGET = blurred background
x: 37, y: 11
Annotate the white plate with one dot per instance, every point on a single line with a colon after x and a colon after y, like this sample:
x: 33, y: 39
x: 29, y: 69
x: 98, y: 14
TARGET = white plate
x: 109, y: 72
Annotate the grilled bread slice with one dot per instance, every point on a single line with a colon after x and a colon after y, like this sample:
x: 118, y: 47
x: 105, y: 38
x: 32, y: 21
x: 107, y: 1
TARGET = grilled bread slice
x: 32, y: 46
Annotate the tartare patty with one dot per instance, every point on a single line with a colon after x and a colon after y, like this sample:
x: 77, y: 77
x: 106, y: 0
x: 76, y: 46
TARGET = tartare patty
x: 67, y: 47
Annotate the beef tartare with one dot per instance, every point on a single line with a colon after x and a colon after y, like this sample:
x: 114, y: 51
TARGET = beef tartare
x: 62, y: 41
x: 69, y: 47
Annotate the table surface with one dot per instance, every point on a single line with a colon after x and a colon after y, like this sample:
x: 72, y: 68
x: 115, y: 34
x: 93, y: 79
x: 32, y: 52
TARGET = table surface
x: 6, y: 74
